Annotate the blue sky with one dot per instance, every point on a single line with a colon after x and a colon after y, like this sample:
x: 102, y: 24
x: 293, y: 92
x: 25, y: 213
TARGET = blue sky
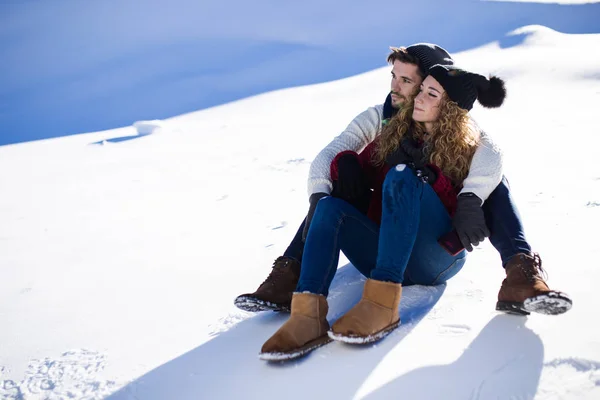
x: 73, y: 66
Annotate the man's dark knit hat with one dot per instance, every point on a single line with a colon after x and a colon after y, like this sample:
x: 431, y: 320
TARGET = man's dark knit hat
x: 429, y: 54
x: 465, y: 87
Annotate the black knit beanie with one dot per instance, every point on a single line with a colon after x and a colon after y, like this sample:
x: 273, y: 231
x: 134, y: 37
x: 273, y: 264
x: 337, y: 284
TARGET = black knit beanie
x: 465, y: 87
x: 429, y: 55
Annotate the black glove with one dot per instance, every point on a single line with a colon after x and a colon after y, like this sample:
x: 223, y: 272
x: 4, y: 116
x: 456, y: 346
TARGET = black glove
x: 425, y: 174
x: 469, y: 221
x: 360, y: 203
x: 313, y: 199
x: 397, y: 156
x: 413, y: 149
x: 418, y: 161
x: 352, y: 182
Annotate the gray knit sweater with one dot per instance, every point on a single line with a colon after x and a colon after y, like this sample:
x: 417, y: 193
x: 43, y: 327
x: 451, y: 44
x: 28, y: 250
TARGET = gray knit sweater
x: 484, y: 175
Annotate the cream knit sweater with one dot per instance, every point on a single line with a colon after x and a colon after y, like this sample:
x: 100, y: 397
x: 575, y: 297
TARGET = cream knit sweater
x: 484, y: 175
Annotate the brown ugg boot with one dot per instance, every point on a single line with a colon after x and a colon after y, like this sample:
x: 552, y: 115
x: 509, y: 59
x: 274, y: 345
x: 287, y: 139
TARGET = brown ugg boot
x: 524, y: 290
x: 303, y: 332
x: 275, y: 293
x: 373, y: 317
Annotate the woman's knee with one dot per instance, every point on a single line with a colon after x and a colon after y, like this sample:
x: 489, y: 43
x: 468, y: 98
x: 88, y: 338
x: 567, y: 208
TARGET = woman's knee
x: 399, y: 182
x: 329, y: 209
x: 329, y: 203
x: 397, y: 176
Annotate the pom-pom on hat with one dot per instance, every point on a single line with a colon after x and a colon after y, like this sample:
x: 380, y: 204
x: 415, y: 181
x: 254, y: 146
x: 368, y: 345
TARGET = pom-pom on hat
x: 465, y: 87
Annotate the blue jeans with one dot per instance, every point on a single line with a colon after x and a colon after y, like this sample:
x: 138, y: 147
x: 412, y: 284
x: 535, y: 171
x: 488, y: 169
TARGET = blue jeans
x: 404, y: 249
x: 504, y: 222
x: 502, y: 218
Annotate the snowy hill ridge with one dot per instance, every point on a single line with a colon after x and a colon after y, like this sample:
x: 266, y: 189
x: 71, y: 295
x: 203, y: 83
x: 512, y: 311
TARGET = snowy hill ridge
x: 122, y: 250
x: 71, y: 67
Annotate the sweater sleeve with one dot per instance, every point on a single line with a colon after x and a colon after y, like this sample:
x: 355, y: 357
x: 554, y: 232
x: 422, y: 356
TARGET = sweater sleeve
x: 359, y: 133
x: 485, y: 172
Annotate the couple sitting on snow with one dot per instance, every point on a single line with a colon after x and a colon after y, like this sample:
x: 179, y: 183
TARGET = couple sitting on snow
x: 424, y: 170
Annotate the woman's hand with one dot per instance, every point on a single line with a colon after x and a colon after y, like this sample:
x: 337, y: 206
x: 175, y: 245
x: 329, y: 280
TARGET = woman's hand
x: 398, y: 156
x: 418, y: 160
x: 352, y: 182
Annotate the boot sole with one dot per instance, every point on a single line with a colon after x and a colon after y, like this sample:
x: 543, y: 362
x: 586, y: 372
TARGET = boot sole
x: 552, y: 303
x: 296, y: 353
x: 358, y: 339
x: 511, y: 307
x: 252, y: 304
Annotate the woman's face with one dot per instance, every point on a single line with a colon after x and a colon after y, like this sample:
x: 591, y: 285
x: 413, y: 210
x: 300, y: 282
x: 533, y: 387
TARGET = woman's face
x: 428, y: 100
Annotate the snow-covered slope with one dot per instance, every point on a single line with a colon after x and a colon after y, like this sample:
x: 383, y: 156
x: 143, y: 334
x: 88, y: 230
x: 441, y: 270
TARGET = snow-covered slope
x: 71, y: 66
x: 121, y: 254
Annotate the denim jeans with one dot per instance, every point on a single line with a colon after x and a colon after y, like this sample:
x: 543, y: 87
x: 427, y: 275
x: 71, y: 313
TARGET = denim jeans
x: 504, y: 222
x: 404, y: 249
x: 502, y: 218
x: 296, y: 247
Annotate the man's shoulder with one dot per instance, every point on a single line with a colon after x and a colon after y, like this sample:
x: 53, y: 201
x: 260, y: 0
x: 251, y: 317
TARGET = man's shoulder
x: 373, y: 112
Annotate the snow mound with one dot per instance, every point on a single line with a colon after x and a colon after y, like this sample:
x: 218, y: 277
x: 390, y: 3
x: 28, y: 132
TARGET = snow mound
x: 148, y: 127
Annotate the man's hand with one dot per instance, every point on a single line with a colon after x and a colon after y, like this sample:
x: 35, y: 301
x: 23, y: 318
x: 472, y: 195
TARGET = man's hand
x: 469, y: 221
x: 313, y: 199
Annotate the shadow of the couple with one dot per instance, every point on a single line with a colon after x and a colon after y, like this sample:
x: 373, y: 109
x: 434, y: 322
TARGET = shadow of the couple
x: 228, y: 367
x: 505, y: 361
x: 505, y: 355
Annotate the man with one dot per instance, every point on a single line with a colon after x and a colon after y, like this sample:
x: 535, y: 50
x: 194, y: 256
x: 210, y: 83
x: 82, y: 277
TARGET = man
x: 484, y: 204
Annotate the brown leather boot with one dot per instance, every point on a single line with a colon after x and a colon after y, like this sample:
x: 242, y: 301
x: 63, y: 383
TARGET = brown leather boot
x: 303, y: 332
x: 373, y: 317
x: 524, y: 290
x: 275, y: 293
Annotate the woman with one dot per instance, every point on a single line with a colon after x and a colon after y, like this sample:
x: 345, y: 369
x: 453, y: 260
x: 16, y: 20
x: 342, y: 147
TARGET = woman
x: 411, y: 206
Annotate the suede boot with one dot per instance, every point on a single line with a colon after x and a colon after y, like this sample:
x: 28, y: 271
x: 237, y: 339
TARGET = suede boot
x: 373, y: 317
x: 524, y: 289
x: 303, y: 332
x: 275, y: 293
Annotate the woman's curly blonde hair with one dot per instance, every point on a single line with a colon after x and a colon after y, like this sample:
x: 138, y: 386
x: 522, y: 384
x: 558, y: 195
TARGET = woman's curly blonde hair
x: 450, y: 145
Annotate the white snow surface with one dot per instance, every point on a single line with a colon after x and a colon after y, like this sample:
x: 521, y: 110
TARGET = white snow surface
x: 121, y: 251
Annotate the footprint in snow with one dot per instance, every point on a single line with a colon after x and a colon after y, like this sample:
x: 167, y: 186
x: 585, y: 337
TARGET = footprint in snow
x: 75, y: 374
x: 454, y: 329
x: 573, y: 375
x: 283, y: 224
x: 296, y: 161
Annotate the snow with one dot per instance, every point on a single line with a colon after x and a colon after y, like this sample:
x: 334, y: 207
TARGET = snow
x: 71, y: 67
x: 148, y: 127
x: 122, y: 250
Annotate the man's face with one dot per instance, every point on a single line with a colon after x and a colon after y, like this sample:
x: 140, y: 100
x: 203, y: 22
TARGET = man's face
x: 405, y: 81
